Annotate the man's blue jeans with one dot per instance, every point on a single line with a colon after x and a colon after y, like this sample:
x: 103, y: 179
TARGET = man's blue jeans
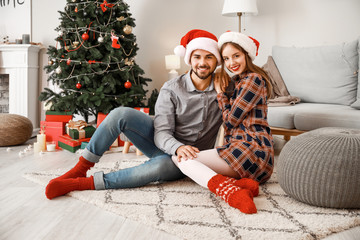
x: 139, y: 129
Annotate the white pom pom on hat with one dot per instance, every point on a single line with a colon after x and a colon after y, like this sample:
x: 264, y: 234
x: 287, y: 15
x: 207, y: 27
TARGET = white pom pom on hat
x: 249, y: 44
x: 197, y: 39
x: 179, y: 50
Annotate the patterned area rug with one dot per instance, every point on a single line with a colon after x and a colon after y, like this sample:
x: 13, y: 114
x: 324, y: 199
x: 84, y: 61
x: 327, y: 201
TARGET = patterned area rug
x: 184, y: 209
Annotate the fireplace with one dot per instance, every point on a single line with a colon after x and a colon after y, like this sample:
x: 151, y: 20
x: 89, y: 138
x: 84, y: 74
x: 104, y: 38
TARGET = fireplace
x: 19, y: 81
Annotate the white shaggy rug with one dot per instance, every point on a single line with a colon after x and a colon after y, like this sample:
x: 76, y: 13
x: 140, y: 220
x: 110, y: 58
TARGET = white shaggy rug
x: 184, y: 209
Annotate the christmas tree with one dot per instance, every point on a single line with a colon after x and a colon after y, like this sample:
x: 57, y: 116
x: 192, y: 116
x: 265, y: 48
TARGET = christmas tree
x: 93, y: 62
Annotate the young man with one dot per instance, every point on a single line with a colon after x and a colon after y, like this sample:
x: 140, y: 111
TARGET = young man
x: 187, y: 119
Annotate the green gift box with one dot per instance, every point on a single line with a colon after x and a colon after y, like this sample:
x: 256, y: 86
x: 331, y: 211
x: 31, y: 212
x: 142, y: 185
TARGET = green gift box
x: 72, y: 145
x: 85, y: 132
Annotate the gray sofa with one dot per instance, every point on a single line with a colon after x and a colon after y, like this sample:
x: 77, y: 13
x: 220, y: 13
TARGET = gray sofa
x: 326, y: 80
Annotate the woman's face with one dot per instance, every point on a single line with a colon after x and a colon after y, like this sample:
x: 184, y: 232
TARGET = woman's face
x: 234, y: 59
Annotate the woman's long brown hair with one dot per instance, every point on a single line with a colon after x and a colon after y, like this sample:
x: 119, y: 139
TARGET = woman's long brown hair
x: 250, y: 67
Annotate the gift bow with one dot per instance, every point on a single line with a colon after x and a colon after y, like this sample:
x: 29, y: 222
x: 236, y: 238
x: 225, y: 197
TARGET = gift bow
x: 80, y: 124
x: 106, y: 4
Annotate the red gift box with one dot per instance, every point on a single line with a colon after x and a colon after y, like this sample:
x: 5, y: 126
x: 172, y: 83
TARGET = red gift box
x: 144, y: 110
x: 72, y: 145
x: 53, y: 130
x: 53, y: 116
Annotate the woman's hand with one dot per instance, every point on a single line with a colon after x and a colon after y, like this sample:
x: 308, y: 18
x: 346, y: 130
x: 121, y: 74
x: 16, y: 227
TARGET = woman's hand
x: 186, y: 152
x: 221, y: 81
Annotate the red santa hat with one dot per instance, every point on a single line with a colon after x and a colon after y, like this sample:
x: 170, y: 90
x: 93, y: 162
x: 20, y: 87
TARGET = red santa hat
x: 197, y: 39
x: 249, y: 44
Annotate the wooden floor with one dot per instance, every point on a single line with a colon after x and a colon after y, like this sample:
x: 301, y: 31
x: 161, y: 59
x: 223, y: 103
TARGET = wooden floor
x: 25, y: 212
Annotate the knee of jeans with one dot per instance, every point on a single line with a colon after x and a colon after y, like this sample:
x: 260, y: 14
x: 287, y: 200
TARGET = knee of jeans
x: 120, y: 114
x: 167, y: 169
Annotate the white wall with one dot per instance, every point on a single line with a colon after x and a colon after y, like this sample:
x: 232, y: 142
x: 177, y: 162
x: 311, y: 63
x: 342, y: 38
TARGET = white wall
x: 162, y: 23
x: 15, y: 19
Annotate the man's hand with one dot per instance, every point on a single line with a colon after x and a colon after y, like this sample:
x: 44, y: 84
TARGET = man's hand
x: 186, y: 152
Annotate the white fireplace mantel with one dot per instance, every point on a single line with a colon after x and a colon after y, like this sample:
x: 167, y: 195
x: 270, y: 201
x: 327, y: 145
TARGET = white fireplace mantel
x: 21, y: 62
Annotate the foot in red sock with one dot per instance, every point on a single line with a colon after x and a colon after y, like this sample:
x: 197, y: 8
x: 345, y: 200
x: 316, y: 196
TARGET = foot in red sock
x: 249, y: 184
x: 79, y: 170
x: 235, y: 196
x: 60, y: 187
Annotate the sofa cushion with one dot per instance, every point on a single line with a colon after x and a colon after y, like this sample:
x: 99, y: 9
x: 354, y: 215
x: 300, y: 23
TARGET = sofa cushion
x: 325, y: 74
x: 356, y: 104
x: 310, y: 116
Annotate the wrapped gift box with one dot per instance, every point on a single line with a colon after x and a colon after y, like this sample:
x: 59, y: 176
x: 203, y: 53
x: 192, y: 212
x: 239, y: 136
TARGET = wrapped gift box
x: 54, y: 116
x: 84, y: 144
x: 144, y: 110
x: 85, y: 132
x: 53, y: 130
x: 72, y: 145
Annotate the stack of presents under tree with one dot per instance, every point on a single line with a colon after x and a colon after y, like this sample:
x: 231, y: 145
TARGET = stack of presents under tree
x: 65, y: 133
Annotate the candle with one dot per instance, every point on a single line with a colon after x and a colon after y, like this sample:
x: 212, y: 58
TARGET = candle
x: 50, y: 147
x: 25, y: 38
x: 37, y: 147
x: 41, y: 139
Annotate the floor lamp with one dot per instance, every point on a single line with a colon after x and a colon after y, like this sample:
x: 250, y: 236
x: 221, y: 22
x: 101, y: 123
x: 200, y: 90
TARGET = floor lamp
x: 233, y: 8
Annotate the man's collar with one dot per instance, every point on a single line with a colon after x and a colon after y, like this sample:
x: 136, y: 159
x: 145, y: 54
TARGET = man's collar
x: 190, y: 85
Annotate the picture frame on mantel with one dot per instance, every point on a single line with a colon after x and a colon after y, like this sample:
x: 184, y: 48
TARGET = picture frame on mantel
x: 16, y: 20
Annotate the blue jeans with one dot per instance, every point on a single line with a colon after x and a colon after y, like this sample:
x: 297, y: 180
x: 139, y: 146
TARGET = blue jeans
x: 139, y: 129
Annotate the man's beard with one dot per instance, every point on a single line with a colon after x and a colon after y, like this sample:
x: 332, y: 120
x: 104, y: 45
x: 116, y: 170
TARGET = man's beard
x: 203, y: 77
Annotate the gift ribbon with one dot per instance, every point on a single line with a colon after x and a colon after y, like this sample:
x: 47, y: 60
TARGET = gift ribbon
x: 106, y: 4
x: 78, y: 125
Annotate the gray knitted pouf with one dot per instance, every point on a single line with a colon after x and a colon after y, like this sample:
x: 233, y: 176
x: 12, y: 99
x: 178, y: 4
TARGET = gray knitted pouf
x: 322, y: 168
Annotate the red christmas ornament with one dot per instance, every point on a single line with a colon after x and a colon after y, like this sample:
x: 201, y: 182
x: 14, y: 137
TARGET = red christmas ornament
x: 85, y: 36
x: 68, y: 61
x: 78, y: 85
x: 127, y: 84
x: 76, y: 9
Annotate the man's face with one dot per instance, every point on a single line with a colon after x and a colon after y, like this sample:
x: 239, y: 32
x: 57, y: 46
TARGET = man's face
x: 203, y: 63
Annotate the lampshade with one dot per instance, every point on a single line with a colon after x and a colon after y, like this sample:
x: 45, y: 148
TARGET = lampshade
x: 231, y: 8
x: 172, y: 62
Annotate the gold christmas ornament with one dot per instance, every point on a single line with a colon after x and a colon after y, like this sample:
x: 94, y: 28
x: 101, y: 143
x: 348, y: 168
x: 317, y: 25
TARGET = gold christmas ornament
x: 75, y: 44
x: 58, y: 70
x: 50, y: 62
x: 100, y: 39
x: 128, y: 62
x: 120, y: 18
x: 127, y: 29
x: 66, y: 47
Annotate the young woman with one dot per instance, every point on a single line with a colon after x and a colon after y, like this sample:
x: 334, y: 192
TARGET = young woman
x: 234, y: 170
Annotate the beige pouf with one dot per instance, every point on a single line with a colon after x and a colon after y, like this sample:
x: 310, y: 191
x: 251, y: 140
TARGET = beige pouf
x: 322, y: 168
x: 14, y: 129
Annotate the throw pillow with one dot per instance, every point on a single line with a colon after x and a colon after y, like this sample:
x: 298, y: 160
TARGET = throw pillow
x: 325, y: 74
x: 356, y: 104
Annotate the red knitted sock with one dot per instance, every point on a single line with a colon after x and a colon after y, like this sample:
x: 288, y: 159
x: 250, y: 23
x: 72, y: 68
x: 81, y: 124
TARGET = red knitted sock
x: 60, y: 187
x: 79, y: 170
x: 236, y: 197
x: 250, y: 184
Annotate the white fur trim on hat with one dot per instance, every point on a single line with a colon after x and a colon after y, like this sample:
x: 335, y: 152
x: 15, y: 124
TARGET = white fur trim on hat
x: 242, y: 40
x: 203, y: 43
